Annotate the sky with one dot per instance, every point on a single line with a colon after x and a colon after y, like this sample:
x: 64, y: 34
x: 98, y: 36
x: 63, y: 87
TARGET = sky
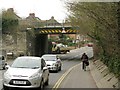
x: 44, y: 9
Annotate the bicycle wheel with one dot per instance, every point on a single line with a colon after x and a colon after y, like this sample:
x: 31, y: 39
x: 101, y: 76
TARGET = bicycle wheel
x: 84, y: 66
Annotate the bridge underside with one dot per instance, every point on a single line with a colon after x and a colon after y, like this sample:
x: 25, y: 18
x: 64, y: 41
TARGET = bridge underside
x: 41, y: 40
x: 55, y: 30
x: 41, y: 44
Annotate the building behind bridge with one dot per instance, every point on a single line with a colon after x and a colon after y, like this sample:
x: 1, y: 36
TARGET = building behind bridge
x: 26, y: 35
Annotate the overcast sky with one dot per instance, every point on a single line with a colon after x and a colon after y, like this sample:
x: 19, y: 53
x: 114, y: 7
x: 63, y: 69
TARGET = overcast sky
x: 44, y: 9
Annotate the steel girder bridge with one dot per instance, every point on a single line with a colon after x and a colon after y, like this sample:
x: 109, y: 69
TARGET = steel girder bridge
x: 56, y: 30
x: 41, y: 39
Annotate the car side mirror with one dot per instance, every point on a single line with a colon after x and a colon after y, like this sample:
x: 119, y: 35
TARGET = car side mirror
x: 58, y: 59
x: 45, y: 68
x: 7, y: 66
x: 6, y: 63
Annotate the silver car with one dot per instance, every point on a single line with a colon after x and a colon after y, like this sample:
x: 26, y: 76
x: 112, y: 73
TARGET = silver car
x: 53, y: 62
x: 26, y: 72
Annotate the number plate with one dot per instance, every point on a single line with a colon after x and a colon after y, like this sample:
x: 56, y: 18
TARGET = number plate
x: 19, y: 82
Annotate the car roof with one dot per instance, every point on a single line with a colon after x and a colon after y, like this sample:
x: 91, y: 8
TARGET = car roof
x: 32, y: 57
x: 49, y: 55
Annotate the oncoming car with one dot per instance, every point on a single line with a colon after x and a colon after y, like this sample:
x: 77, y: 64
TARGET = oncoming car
x: 53, y: 62
x: 26, y: 72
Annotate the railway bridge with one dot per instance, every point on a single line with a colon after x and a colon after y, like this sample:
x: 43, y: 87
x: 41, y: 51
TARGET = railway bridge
x: 41, y: 44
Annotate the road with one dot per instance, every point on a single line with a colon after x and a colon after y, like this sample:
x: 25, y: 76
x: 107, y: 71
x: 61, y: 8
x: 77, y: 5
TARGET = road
x: 77, y: 78
x: 69, y: 60
x: 77, y: 53
x: 54, y: 77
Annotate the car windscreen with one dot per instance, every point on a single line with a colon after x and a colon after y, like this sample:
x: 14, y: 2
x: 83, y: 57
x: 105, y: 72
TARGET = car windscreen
x: 49, y: 58
x: 26, y: 63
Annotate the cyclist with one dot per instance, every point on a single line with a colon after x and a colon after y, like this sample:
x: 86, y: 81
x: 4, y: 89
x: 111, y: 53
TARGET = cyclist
x: 85, y: 62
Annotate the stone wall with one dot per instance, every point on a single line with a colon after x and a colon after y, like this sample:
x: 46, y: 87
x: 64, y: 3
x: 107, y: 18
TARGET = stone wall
x: 102, y: 76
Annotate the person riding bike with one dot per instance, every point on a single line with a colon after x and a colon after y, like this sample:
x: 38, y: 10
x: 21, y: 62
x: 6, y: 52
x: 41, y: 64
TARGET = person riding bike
x: 85, y: 61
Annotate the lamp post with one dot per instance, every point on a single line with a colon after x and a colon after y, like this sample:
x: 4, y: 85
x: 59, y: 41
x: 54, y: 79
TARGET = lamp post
x: 63, y: 31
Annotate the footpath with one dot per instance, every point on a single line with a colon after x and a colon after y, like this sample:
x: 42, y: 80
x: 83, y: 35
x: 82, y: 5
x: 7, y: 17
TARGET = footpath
x: 97, y: 75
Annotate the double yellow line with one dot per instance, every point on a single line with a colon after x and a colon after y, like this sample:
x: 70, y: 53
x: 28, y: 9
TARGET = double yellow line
x: 56, y: 86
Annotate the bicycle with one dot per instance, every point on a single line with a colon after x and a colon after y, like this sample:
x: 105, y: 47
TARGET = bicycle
x: 85, y: 61
x: 84, y: 66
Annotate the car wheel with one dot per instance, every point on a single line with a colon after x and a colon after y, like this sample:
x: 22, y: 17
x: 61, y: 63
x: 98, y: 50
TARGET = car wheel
x: 41, y: 87
x: 5, y: 88
x: 57, y: 69
x: 60, y: 68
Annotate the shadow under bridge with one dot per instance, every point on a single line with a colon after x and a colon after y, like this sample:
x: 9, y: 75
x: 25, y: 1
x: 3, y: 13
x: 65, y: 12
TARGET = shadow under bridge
x: 42, y: 45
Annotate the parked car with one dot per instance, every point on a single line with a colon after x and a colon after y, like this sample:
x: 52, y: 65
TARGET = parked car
x: 26, y: 72
x: 2, y: 62
x: 60, y: 48
x: 90, y: 44
x: 53, y: 62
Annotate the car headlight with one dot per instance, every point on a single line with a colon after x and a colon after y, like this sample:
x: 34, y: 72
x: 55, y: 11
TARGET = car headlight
x: 36, y: 75
x: 7, y: 75
x: 54, y: 64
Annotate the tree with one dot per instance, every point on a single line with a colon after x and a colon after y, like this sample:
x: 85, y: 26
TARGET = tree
x: 100, y: 22
x: 10, y: 23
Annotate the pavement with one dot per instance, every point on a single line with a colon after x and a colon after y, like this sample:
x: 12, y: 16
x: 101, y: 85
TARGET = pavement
x: 78, y: 78
x: 97, y: 75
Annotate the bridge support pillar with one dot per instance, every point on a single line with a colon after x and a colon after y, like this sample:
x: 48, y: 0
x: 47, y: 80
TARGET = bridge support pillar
x: 41, y: 44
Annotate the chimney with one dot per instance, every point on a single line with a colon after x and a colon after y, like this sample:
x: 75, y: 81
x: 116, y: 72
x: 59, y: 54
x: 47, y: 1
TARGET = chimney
x: 10, y: 10
x: 52, y: 17
x: 32, y: 14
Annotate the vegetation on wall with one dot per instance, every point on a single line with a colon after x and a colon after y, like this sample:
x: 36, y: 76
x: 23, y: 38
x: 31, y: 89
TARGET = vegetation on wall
x: 9, y: 23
